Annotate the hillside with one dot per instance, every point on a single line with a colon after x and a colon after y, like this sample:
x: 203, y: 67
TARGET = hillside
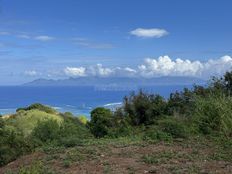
x: 26, y: 121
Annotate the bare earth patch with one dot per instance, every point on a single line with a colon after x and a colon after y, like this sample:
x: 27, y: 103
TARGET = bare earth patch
x: 176, y: 157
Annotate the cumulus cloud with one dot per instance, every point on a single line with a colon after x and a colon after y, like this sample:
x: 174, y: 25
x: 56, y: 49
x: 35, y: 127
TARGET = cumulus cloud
x: 149, y: 33
x: 44, y: 38
x: 165, y: 66
x: 75, y: 71
x: 156, y: 67
x: 99, y: 70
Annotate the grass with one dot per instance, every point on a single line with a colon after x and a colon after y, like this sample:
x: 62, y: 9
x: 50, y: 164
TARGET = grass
x: 162, y: 157
x: 26, y: 121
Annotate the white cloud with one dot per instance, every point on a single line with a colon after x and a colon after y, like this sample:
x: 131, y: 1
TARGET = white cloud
x: 31, y: 73
x: 156, y: 67
x: 165, y: 66
x: 44, y: 38
x: 99, y: 70
x: 75, y: 71
x: 149, y: 33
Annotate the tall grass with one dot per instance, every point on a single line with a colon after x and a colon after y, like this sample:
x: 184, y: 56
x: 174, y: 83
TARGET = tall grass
x: 214, y: 114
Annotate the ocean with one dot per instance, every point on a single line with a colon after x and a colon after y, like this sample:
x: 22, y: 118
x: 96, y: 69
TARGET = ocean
x: 78, y: 100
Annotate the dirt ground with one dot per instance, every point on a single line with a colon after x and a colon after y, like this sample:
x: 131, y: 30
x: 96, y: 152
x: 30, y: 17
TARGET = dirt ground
x: 177, y: 157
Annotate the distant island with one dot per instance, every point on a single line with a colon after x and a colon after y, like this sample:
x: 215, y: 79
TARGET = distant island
x: 114, y: 83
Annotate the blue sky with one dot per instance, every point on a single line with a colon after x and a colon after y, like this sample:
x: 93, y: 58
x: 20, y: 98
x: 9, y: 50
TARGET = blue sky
x: 73, y: 38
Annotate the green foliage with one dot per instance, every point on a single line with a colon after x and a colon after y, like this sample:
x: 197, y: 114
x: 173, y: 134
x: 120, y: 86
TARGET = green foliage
x: 158, y: 158
x: 155, y: 134
x: 26, y: 121
x: 214, y: 114
x: 69, y: 133
x: 12, y: 145
x: 36, y: 168
x: 72, y: 132
x: 181, y: 102
x: 46, y: 131
x: 83, y: 119
x: 174, y: 127
x: 120, y: 129
x: 101, y: 121
x: 40, y: 107
x: 144, y: 108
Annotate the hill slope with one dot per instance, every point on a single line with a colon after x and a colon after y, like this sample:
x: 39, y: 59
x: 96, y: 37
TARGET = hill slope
x: 26, y: 121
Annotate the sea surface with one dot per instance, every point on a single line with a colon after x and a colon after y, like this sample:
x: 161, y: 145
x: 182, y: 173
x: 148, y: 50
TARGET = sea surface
x: 78, y: 100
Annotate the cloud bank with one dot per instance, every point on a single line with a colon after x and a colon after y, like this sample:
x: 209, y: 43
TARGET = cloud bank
x: 156, y: 67
x: 149, y: 33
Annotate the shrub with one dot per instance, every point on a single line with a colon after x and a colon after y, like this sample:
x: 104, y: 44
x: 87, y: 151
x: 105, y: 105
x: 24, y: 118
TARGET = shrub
x: 153, y: 133
x: 72, y: 132
x: 120, y: 129
x: 40, y: 107
x: 101, y: 121
x: 144, y: 108
x: 46, y: 131
x: 174, y: 127
x: 214, y: 114
x: 12, y: 145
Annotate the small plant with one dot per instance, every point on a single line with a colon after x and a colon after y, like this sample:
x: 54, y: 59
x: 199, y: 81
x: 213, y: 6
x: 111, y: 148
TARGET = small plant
x: 67, y: 163
x: 161, y: 157
x: 36, y: 168
x: 155, y: 134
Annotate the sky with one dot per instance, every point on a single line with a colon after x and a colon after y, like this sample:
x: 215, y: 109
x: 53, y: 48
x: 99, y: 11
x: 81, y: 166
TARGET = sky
x: 57, y: 39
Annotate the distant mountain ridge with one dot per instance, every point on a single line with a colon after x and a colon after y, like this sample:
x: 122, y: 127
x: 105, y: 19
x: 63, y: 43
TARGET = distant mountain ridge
x: 117, y: 82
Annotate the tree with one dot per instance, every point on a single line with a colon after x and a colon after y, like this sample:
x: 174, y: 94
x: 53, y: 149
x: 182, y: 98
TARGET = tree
x: 101, y: 121
x: 144, y: 108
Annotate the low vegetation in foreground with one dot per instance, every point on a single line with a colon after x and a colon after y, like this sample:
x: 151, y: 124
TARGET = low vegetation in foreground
x: 190, y: 132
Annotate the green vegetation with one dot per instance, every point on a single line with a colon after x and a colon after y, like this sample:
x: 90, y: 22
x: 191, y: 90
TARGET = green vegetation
x: 26, y: 121
x: 187, y: 117
x: 40, y: 107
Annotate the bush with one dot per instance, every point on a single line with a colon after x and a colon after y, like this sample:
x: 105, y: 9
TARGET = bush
x: 214, y: 114
x: 153, y: 133
x: 72, y: 126
x: 12, y: 145
x: 101, y: 121
x: 40, y: 107
x: 120, y: 129
x: 174, y: 127
x: 46, y: 131
x: 144, y: 108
